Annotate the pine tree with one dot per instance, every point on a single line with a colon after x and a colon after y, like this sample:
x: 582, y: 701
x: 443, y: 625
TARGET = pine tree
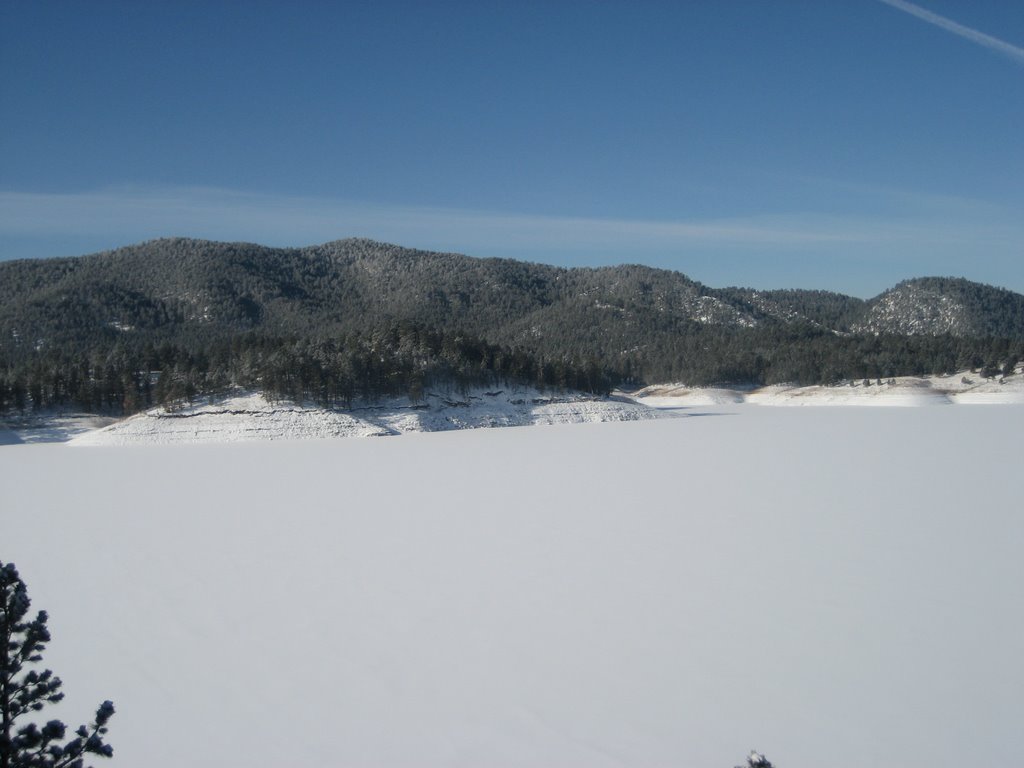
x: 24, y: 690
x: 756, y: 760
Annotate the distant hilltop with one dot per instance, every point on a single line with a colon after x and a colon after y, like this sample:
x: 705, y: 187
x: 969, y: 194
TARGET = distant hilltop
x: 353, y: 318
x: 241, y: 286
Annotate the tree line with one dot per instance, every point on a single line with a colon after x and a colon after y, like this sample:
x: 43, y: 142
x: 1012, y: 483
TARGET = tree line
x: 400, y: 360
x: 405, y: 359
x: 172, y: 319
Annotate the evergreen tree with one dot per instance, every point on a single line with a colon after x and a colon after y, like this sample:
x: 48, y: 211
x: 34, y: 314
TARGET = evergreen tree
x: 165, y: 321
x: 756, y: 760
x: 24, y: 690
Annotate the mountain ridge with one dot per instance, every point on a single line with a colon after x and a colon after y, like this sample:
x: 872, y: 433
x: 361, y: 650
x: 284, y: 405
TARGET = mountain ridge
x: 408, y: 282
x: 354, y: 309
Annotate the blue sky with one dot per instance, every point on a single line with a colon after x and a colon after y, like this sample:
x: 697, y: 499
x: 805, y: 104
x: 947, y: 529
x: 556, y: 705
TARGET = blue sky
x: 839, y: 144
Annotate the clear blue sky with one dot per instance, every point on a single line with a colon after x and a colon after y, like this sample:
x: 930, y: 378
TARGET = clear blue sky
x: 835, y: 144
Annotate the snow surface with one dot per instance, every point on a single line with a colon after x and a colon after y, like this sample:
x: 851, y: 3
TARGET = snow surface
x: 832, y: 586
x: 250, y: 416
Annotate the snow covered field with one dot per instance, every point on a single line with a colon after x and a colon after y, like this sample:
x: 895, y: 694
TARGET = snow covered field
x: 831, y: 586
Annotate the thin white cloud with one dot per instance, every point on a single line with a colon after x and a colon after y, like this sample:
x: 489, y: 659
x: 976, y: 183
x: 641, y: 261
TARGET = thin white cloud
x: 992, y: 43
x: 859, y: 250
x: 133, y: 214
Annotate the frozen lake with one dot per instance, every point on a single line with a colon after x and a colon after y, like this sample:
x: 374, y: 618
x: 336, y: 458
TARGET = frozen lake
x: 830, y: 586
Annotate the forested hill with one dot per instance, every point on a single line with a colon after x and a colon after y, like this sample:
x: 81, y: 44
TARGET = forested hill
x: 218, y: 312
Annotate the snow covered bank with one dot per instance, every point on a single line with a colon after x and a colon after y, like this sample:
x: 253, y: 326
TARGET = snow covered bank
x: 251, y: 416
x: 832, y: 587
x: 904, y: 392
x: 963, y: 388
x: 681, y: 396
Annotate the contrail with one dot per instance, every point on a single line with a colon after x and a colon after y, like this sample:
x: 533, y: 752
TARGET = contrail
x: 992, y: 43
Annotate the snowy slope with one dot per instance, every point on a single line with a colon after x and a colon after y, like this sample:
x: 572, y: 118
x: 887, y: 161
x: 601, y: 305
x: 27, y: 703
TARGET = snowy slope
x: 904, y: 392
x: 250, y: 416
x: 828, y: 586
x: 962, y: 388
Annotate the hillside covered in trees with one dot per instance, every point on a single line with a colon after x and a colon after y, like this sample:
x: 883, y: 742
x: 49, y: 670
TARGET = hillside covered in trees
x: 168, y: 319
